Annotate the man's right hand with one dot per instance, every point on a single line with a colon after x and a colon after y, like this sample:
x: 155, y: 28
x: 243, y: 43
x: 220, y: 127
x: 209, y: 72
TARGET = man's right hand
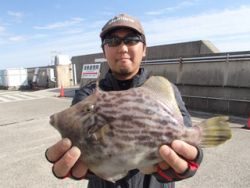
x: 65, y: 160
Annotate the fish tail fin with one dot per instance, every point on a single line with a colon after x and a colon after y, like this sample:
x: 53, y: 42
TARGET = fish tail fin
x: 215, y: 131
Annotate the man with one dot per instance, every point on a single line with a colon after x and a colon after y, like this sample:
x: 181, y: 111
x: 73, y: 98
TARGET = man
x: 124, y: 46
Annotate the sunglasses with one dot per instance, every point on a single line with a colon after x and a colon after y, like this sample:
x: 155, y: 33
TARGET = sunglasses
x: 130, y: 40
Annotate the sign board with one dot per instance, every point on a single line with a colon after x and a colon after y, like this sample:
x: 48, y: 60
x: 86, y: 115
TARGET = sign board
x: 91, y: 71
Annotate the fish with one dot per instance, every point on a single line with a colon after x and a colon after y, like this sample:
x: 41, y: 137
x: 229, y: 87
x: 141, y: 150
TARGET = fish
x: 118, y: 131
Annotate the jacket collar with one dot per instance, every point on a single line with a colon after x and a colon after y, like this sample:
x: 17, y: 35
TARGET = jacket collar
x: 111, y: 83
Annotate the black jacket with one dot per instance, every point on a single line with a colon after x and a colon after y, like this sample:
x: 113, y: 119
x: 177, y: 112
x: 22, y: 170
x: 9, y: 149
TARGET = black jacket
x: 134, y: 179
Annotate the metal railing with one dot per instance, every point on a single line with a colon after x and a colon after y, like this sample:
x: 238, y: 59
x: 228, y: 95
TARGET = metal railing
x: 213, y: 58
x: 228, y: 104
x: 217, y: 98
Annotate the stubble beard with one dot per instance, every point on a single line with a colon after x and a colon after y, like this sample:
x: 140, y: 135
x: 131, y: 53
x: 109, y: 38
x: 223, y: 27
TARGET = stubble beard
x: 123, y: 73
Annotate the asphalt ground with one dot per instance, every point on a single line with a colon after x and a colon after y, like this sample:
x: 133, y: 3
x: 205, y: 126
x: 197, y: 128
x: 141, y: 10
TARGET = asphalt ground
x: 25, y: 134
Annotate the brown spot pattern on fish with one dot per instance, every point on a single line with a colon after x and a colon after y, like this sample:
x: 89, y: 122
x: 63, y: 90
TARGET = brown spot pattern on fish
x: 118, y: 131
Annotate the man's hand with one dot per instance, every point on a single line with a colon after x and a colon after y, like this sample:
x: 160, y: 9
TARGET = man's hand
x: 65, y: 160
x: 181, y: 161
x: 172, y: 158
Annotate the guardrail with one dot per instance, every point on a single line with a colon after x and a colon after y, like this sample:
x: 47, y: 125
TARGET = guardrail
x: 215, y: 98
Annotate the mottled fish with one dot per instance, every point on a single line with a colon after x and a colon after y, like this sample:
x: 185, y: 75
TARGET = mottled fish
x: 118, y: 131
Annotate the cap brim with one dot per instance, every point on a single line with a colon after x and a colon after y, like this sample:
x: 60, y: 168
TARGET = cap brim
x: 105, y: 32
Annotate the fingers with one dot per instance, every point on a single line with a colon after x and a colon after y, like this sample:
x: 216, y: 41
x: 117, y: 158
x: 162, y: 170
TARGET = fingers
x: 170, y: 157
x: 176, y: 156
x: 63, y: 166
x: 65, y: 160
x: 79, y: 170
x: 184, y: 149
x: 56, y: 151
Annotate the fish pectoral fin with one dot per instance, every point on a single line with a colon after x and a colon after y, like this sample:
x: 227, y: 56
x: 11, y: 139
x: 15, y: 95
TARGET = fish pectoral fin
x: 101, y: 133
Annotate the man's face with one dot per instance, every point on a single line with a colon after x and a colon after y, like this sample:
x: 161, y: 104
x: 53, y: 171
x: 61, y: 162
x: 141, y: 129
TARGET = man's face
x: 124, y: 59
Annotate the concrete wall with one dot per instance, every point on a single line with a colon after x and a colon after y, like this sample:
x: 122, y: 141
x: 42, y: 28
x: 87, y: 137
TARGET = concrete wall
x: 194, y: 48
x: 218, y: 83
x: 223, y: 71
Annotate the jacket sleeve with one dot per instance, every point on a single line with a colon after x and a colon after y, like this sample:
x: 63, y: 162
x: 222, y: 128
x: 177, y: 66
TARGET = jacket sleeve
x: 185, y: 114
x: 83, y: 92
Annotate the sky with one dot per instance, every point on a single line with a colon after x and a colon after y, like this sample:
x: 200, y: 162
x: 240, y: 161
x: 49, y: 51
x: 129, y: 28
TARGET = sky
x: 32, y: 32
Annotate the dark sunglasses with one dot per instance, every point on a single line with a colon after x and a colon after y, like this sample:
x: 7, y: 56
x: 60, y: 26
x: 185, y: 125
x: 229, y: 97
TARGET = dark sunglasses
x: 129, y: 40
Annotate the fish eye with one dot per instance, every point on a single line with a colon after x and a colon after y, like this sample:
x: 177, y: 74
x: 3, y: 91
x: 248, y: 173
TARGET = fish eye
x: 89, y: 108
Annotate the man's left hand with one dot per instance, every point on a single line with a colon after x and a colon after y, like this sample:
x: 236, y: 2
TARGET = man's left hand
x: 181, y: 161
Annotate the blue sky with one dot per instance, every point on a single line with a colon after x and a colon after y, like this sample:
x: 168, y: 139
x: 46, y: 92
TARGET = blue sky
x: 32, y: 32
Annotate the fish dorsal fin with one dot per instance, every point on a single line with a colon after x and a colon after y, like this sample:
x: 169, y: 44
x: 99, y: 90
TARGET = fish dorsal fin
x: 162, y: 90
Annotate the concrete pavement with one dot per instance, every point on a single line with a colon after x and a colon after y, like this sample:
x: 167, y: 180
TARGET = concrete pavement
x: 25, y: 134
x: 225, y: 166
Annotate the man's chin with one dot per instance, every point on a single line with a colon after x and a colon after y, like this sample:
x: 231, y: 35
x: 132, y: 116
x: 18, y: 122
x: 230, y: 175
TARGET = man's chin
x: 123, y: 74
x: 127, y: 72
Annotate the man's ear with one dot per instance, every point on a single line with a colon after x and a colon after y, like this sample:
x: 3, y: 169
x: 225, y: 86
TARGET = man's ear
x: 103, y: 51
